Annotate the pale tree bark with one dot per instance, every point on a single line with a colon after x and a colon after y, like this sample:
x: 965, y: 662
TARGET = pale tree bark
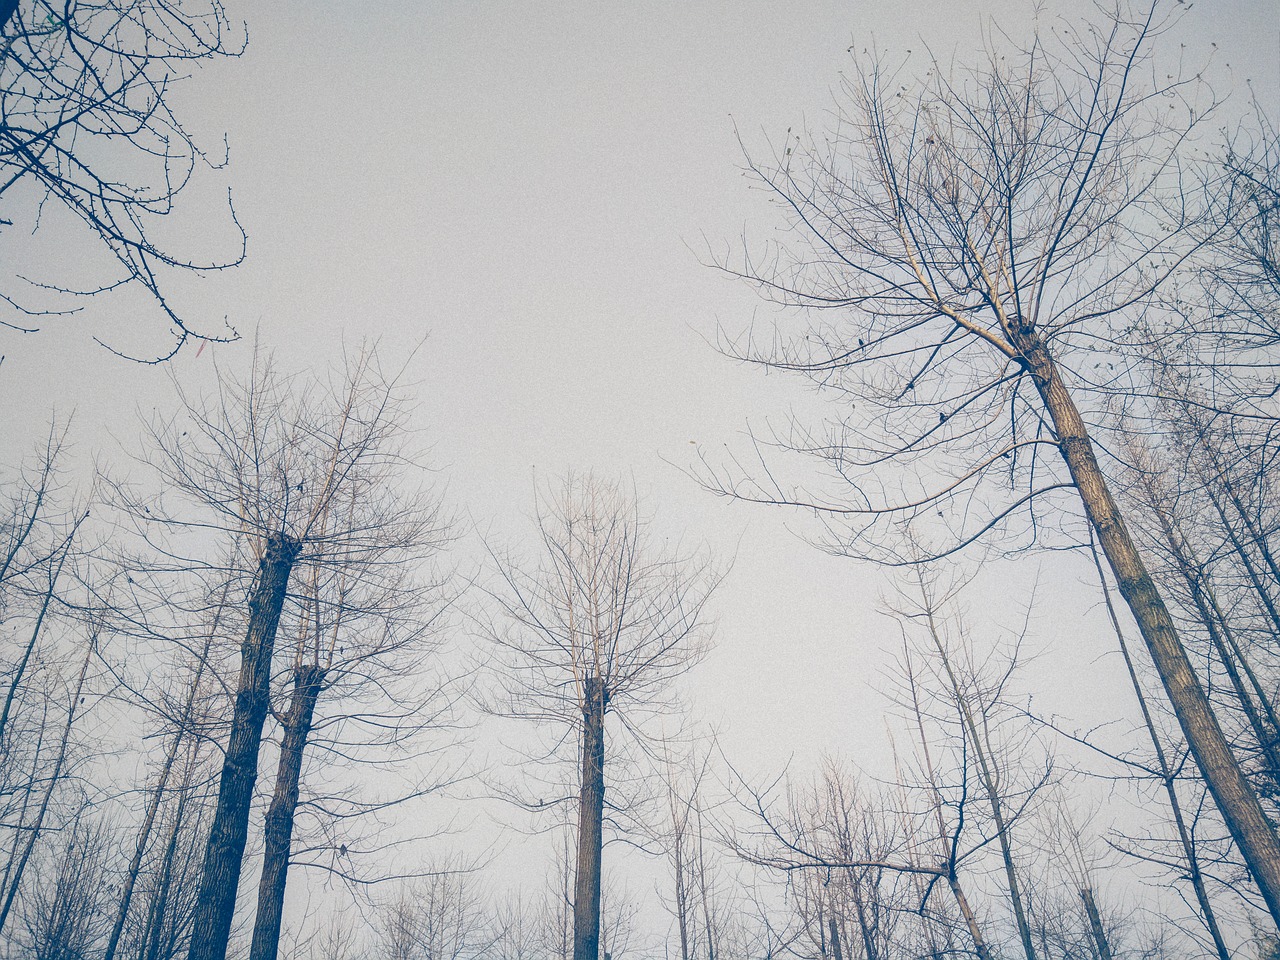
x: 987, y: 775
x: 215, y: 905
x: 980, y: 237
x: 181, y: 736
x: 1167, y: 777
x: 601, y: 623
x: 1235, y: 797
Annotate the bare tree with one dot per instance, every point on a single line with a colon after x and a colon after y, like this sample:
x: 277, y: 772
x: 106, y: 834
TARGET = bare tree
x: 364, y: 641
x: 979, y: 244
x: 88, y: 123
x: 282, y: 476
x: 441, y: 916
x: 598, y: 625
x: 64, y: 915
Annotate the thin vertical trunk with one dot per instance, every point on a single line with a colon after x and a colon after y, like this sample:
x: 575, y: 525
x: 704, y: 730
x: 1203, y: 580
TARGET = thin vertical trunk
x: 703, y: 889
x: 308, y: 681
x: 987, y: 776
x: 159, y: 906
x: 224, y: 856
x: 836, y: 952
x: 586, y: 891
x: 139, y: 850
x: 1095, y: 924
x: 162, y: 784
x: 1166, y: 776
x: 682, y: 893
x: 21, y: 668
x: 55, y: 778
x: 1268, y: 706
x: 948, y: 842
x: 1234, y: 796
x: 1259, y: 587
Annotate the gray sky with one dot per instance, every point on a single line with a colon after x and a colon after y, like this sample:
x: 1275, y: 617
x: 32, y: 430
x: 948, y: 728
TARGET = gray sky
x: 531, y: 187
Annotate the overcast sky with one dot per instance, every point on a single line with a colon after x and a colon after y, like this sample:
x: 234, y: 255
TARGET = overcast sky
x: 532, y: 187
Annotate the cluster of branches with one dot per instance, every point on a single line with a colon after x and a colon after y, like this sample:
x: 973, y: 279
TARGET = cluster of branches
x: 87, y: 129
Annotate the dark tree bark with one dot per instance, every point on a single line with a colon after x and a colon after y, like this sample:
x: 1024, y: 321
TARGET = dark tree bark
x: 1095, y: 924
x: 586, y: 891
x: 215, y: 905
x: 308, y: 682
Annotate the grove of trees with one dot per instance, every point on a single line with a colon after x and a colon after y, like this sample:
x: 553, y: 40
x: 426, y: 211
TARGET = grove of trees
x: 255, y: 701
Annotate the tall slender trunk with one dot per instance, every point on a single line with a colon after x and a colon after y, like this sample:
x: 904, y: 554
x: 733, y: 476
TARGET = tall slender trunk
x: 1236, y: 799
x: 162, y: 785
x: 159, y: 906
x: 224, y: 856
x: 21, y: 668
x: 1167, y: 775
x: 140, y: 848
x: 54, y: 780
x: 682, y: 892
x: 988, y: 777
x: 308, y: 681
x: 586, y: 888
x: 833, y: 925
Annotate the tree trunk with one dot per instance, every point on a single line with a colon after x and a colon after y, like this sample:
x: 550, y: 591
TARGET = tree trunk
x: 1095, y: 924
x: 833, y: 925
x: 159, y: 906
x: 162, y: 785
x: 970, y: 921
x: 1167, y: 775
x: 987, y: 775
x: 586, y: 891
x: 308, y: 681
x: 1235, y: 798
x: 216, y: 902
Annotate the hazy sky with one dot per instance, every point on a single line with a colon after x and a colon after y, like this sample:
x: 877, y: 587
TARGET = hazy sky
x: 531, y: 187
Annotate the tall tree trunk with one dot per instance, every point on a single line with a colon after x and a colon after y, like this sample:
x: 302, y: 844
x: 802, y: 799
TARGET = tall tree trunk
x: 1167, y: 775
x: 1235, y: 797
x: 987, y: 775
x: 308, y: 681
x: 834, y: 926
x: 586, y: 889
x: 216, y: 902
x: 159, y: 906
x: 682, y: 893
x: 21, y: 668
